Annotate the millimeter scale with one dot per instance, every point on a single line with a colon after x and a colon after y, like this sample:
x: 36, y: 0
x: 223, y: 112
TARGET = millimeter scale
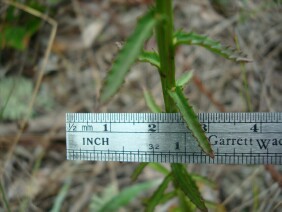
x: 236, y: 138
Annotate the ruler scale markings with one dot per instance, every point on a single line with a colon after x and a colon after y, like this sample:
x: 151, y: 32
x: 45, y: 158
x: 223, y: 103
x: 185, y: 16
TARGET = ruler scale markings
x: 221, y: 117
x: 255, y: 138
x: 275, y: 119
x: 231, y: 118
x: 200, y: 117
x: 263, y: 117
x: 248, y: 117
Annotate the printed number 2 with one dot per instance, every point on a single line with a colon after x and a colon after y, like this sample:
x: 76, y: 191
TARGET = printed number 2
x: 255, y: 128
x: 152, y: 127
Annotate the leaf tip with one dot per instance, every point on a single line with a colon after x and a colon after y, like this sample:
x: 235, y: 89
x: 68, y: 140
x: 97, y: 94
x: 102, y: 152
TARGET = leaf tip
x: 211, y: 154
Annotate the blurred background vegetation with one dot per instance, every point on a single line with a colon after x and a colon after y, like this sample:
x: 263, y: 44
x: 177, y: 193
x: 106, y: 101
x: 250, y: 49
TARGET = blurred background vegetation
x: 34, y: 173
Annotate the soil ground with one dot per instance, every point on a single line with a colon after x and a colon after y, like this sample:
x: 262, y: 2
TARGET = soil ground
x: 35, y: 170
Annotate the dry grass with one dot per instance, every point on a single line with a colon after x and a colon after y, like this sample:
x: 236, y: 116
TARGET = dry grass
x: 33, y: 162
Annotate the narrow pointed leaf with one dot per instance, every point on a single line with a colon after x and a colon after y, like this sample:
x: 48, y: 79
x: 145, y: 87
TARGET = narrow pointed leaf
x: 159, y: 168
x: 127, y: 195
x: 168, y: 196
x: 185, y: 182
x: 212, y: 205
x: 184, y: 78
x: 138, y: 170
x: 191, y: 119
x: 150, y: 102
x: 158, y: 194
x: 192, y: 38
x: 185, y: 204
x: 98, y: 201
x: 150, y: 57
x: 61, y: 196
x: 128, y: 54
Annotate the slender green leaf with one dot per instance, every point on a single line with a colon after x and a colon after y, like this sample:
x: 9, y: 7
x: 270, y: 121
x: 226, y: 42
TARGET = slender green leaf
x: 61, y: 196
x: 204, y: 180
x: 175, y: 209
x: 150, y: 102
x: 256, y: 192
x: 156, y: 166
x: 98, y: 201
x: 191, y: 119
x: 138, y: 170
x: 168, y: 196
x: 184, y: 203
x: 193, y: 38
x: 128, y: 194
x: 158, y: 194
x: 185, y: 182
x: 128, y: 54
x: 184, y: 78
x: 159, y: 168
x: 212, y: 205
x: 4, y: 198
x: 150, y: 57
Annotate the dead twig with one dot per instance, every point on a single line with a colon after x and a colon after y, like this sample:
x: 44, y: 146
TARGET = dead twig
x: 276, y: 176
x: 198, y: 82
x: 53, y: 24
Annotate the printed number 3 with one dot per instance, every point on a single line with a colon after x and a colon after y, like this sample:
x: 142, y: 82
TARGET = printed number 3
x: 205, y: 127
x: 152, y: 146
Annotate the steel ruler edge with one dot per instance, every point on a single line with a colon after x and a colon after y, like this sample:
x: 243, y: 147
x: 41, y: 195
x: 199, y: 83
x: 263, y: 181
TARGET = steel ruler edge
x: 236, y: 138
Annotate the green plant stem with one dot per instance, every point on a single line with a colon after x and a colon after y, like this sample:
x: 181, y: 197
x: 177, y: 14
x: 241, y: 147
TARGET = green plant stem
x: 164, y: 34
x: 4, y: 198
x: 245, y: 90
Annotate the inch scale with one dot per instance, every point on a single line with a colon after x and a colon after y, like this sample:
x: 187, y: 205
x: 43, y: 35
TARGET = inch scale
x: 236, y: 138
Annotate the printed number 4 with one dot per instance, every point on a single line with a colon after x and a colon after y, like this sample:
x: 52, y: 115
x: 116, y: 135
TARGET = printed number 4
x: 255, y: 128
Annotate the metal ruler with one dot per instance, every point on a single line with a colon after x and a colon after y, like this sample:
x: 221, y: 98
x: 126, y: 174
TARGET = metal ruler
x: 236, y: 138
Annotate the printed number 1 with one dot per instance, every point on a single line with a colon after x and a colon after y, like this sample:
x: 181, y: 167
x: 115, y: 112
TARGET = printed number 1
x: 177, y: 146
x: 105, y: 127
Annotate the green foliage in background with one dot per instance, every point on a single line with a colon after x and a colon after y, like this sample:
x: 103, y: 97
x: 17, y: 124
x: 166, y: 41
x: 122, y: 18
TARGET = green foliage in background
x: 17, y: 27
x: 111, y: 199
x: 160, y: 19
x: 15, y: 95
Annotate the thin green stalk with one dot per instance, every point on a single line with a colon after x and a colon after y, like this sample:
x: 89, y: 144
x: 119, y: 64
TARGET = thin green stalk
x: 164, y: 34
x: 245, y: 91
x: 4, y: 198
